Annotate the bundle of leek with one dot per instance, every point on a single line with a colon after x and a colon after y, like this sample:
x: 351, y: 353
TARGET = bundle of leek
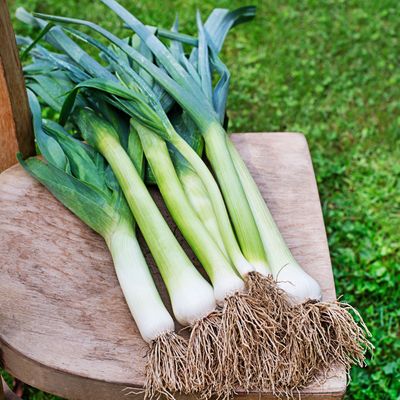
x: 304, y: 333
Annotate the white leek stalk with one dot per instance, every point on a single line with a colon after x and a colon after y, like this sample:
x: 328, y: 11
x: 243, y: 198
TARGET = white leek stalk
x: 191, y: 296
x: 140, y: 292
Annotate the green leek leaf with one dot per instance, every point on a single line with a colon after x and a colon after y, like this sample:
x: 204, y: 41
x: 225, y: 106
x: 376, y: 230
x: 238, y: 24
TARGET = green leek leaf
x: 80, y: 156
x: 136, y: 107
x: 61, y: 41
x: 135, y: 151
x: 152, y: 42
x: 188, y: 96
x: 203, y: 64
x: 36, y: 40
x: 51, y: 88
x: 48, y: 146
x: 85, y: 201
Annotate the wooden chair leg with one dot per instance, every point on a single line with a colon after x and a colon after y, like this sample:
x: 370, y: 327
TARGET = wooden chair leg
x: 15, y: 120
x: 6, y: 393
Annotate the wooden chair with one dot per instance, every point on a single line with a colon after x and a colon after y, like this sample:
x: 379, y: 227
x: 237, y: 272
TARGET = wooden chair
x: 64, y: 325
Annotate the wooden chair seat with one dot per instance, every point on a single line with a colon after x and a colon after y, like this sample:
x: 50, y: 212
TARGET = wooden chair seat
x: 64, y: 325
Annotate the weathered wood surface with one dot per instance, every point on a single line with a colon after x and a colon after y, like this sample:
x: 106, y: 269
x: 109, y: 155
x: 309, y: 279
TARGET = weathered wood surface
x: 64, y: 325
x: 15, y: 121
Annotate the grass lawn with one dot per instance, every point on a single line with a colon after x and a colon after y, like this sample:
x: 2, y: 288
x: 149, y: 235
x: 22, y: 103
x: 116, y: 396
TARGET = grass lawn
x: 328, y: 69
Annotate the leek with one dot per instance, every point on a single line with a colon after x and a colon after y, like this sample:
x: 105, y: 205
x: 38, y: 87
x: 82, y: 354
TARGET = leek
x: 78, y: 176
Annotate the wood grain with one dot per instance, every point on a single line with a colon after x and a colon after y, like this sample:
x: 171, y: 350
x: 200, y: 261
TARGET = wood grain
x: 15, y: 121
x: 64, y: 325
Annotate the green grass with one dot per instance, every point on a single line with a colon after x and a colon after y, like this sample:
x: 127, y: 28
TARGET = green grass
x: 328, y: 69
